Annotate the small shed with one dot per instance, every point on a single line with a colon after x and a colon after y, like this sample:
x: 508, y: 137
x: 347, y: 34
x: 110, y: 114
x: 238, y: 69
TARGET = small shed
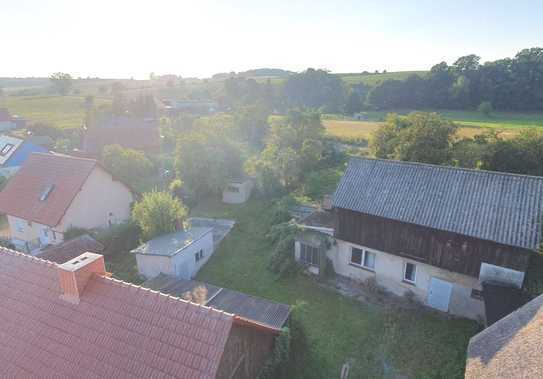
x: 180, y: 254
x: 237, y: 191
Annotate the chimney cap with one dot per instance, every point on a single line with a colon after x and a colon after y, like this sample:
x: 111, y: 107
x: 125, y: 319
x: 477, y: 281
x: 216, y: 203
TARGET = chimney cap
x: 80, y: 261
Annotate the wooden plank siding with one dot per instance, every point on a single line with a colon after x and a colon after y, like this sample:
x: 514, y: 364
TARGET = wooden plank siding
x: 450, y: 251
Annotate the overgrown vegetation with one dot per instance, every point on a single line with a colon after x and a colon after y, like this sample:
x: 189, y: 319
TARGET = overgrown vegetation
x: 158, y: 213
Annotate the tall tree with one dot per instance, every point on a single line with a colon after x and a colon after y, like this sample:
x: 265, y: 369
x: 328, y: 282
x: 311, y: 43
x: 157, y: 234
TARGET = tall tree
x: 62, y: 82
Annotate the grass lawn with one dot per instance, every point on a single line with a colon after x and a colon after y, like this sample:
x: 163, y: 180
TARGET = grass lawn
x: 379, y: 342
x: 59, y: 111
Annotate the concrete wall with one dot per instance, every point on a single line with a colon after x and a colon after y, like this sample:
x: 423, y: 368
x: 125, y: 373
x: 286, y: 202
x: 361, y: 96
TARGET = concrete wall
x: 182, y: 265
x: 242, y: 196
x: 389, y: 271
x: 100, y: 201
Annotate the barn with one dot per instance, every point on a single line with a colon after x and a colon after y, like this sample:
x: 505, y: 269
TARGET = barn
x: 438, y: 233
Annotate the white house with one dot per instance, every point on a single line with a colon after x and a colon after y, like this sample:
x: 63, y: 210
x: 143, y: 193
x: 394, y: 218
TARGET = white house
x: 180, y: 254
x: 237, y: 191
x: 437, y: 233
x: 53, y: 193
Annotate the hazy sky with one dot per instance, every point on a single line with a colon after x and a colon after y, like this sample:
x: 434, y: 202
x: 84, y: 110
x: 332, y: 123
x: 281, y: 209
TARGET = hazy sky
x: 118, y: 38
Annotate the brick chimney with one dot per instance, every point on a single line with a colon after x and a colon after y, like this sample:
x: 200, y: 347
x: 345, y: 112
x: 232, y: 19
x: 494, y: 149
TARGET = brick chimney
x: 75, y: 274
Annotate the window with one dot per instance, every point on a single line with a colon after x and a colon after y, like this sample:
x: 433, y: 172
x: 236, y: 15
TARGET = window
x: 410, y: 272
x: 20, y: 226
x: 309, y: 254
x: 6, y: 149
x: 233, y: 189
x: 363, y: 258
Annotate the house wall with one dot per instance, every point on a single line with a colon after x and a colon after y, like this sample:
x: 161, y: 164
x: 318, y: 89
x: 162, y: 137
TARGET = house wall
x: 389, y: 271
x: 242, y: 196
x: 245, y: 353
x: 182, y: 265
x: 26, y: 235
x: 450, y: 251
x: 99, y: 196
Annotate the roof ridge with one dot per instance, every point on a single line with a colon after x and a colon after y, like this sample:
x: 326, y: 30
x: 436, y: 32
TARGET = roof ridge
x: 446, y: 167
x: 164, y: 296
x: 66, y: 156
x: 34, y: 259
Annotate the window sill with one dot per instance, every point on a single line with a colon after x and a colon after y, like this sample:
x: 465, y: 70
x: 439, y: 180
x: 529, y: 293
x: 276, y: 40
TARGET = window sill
x: 362, y: 267
x: 414, y: 284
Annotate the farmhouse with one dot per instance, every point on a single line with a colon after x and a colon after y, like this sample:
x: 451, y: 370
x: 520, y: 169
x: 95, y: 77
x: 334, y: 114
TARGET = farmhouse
x: 129, y: 132
x: 14, y: 152
x: 52, y: 193
x: 72, y: 320
x: 437, y: 233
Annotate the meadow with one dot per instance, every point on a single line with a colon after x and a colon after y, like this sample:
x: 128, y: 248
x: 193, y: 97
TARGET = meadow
x: 373, y: 80
x: 472, y: 123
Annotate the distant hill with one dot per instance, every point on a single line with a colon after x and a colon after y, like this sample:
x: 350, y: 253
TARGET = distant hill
x: 257, y: 73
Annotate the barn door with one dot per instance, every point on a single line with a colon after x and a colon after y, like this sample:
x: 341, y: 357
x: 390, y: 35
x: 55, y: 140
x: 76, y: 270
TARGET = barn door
x: 440, y: 294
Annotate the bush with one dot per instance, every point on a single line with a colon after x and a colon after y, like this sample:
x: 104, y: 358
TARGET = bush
x: 486, y: 108
x: 159, y: 213
x: 322, y: 182
x: 127, y: 165
x: 280, y: 211
x: 282, y: 259
x: 74, y: 232
x: 119, y: 238
x: 277, y: 364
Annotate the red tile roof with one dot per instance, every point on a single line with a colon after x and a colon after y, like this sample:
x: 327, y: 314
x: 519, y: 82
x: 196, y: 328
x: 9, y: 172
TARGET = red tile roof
x: 131, y: 133
x: 117, y: 329
x: 21, y: 197
x: 71, y: 249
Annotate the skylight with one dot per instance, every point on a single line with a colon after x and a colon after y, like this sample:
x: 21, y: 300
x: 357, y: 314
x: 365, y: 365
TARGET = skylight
x: 46, y: 192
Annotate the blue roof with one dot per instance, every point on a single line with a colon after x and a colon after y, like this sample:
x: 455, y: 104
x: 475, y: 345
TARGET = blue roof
x: 22, y: 153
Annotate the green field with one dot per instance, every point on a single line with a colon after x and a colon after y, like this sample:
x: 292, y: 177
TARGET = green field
x: 59, y: 111
x: 508, y: 124
x: 379, y: 341
x: 373, y: 80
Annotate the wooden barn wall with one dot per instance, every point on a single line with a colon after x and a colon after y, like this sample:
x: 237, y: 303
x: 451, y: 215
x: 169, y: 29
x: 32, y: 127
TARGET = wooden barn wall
x: 246, y: 351
x: 451, y: 251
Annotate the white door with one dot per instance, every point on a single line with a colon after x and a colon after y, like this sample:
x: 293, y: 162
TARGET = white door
x: 440, y: 294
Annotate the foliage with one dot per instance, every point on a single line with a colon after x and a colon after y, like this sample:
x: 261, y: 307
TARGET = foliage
x: 280, y: 210
x: 63, y: 145
x: 294, y: 148
x: 282, y: 236
x: 119, y: 238
x: 62, y: 82
x: 418, y: 137
x: 251, y: 124
x: 206, y: 159
x: 158, y: 213
x: 321, y: 182
x: 74, y: 232
x: 45, y: 129
x: 175, y: 186
x: 127, y: 165
x: 486, y: 108
x: 315, y: 89
x: 277, y: 365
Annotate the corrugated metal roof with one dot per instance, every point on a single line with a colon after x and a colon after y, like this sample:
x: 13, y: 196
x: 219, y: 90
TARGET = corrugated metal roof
x: 499, y: 207
x: 262, y: 311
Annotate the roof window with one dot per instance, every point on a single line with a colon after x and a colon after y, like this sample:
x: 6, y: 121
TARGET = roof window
x: 46, y: 192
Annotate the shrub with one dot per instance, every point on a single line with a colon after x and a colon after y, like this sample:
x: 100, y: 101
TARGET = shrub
x: 277, y: 364
x: 486, y: 108
x: 282, y: 259
x: 159, y: 213
x: 119, y: 238
x: 126, y: 164
x: 74, y: 232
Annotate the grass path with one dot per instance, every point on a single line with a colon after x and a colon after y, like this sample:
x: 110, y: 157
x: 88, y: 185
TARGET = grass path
x: 380, y: 342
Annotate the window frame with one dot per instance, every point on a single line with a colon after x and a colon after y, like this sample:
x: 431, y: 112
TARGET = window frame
x: 6, y: 149
x: 304, y: 250
x: 363, y: 258
x: 405, y: 279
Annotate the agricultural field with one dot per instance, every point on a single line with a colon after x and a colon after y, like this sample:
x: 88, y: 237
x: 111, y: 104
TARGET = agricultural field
x: 60, y: 111
x: 508, y: 124
x: 379, y: 341
x: 373, y: 80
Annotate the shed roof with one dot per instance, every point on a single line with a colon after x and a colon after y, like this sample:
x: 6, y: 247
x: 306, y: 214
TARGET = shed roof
x: 510, y: 348
x: 8, y: 145
x: 255, y: 309
x: 172, y: 243
x: 493, y: 206
x: 118, y: 330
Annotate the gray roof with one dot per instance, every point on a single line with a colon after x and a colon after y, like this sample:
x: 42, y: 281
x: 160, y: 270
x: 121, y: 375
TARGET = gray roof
x: 173, y: 243
x: 499, y: 207
x: 510, y: 348
x: 271, y: 314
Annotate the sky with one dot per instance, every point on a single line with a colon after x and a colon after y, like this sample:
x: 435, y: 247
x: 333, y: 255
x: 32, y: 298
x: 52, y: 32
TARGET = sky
x: 123, y: 39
